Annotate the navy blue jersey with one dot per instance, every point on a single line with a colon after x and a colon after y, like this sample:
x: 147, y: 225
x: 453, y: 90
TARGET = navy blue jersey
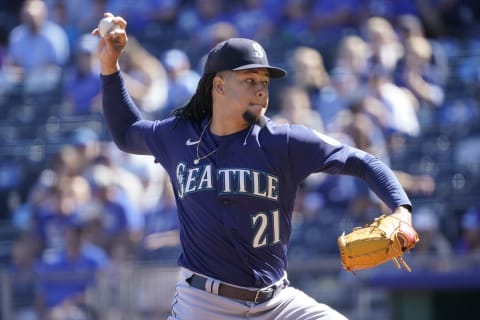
x: 235, y: 205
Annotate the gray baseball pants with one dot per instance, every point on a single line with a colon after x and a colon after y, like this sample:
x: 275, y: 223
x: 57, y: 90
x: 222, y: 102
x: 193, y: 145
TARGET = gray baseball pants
x: 287, y: 304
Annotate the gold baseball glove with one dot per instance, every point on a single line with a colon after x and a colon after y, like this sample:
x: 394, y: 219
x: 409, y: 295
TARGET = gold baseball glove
x: 387, y: 238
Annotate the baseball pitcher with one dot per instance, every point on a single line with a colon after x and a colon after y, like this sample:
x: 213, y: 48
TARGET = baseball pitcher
x: 235, y: 174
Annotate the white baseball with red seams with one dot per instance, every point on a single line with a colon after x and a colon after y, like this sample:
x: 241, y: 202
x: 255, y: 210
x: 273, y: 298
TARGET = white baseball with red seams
x: 107, y: 25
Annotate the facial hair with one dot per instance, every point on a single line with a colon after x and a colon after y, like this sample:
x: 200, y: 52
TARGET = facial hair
x: 252, y: 119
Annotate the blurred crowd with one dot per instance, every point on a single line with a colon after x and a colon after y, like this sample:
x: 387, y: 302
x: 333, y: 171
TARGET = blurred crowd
x: 389, y: 77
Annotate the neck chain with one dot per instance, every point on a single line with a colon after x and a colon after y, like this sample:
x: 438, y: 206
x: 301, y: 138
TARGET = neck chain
x: 196, y: 161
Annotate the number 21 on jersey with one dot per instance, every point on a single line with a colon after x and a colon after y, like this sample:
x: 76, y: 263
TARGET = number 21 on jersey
x: 265, y: 224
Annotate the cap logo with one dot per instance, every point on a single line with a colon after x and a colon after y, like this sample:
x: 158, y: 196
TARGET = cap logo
x: 258, y: 50
x: 239, y: 54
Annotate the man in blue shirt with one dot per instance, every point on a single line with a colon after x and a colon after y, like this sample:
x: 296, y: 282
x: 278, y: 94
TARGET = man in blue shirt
x: 63, y: 278
x: 38, y: 47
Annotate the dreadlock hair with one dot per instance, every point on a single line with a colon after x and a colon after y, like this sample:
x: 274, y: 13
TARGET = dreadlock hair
x: 200, y: 105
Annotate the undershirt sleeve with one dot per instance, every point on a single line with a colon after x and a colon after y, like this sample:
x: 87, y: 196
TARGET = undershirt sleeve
x: 122, y: 117
x: 379, y: 178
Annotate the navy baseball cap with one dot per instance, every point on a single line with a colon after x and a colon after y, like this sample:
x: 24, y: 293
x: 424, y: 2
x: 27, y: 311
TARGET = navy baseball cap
x: 239, y: 54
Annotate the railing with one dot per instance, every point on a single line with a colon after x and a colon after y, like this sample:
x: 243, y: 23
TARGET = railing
x: 137, y: 291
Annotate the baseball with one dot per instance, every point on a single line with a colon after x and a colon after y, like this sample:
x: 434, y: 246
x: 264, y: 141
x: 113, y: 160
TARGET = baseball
x: 106, y: 25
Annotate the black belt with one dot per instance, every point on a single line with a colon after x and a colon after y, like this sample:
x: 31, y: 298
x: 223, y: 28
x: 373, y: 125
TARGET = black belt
x: 257, y: 296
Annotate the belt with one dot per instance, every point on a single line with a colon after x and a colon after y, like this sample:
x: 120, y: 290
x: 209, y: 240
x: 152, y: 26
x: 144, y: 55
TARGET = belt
x: 222, y: 289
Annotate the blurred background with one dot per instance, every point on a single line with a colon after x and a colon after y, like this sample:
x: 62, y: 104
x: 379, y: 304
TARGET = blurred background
x: 88, y: 232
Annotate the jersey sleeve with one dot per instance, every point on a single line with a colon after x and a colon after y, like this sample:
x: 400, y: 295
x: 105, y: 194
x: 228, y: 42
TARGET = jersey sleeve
x: 311, y: 151
x: 123, y: 119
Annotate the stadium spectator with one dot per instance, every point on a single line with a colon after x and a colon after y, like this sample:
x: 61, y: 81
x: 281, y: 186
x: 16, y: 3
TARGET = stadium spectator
x: 90, y: 216
x: 424, y: 69
x: 21, y: 276
x: 64, y: 197
x: 64, y: 278
x: 69, y: 15
x: 353, y: 53
x: 308, y: 72
x: 345, y: 88
x: 195, y: 20
x: 308, y: 69
x: 331, y: 20
x: 115, y: 207
x: 256, y: 19
x: 125, y: 178
x: 415, y: 73
x: 58, y: 14
x: 82, y: 87
x: 363, y: 122
x: 145, y: 77
x: 296, y: 108
x: 37, y: 48
x: 399, y: 104
x: 469, y: 241
x: 294, y: 24
x: 182, y: 79
x: 164, y: 13
x: 161, y: 241
x: 411, y: 26
x: 434, y: 242
x: 84, y: 148
x: 144, y: 13
x: 61, y: 166
x: 218, y: 32
x: 389, y: 10
x: 386, y: 49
